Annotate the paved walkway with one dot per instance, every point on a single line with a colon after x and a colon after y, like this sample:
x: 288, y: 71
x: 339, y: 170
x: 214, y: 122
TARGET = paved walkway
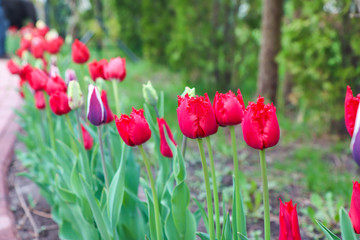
x: 9, y: 100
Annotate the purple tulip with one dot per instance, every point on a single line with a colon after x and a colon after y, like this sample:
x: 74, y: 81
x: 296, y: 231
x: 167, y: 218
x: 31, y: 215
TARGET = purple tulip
x: 96, y: 112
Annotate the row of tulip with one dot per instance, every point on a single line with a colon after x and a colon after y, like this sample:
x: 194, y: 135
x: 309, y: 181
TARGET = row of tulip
x: 93, y: 199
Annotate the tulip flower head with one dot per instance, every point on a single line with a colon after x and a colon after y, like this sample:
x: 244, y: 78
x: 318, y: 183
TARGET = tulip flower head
x: 38, y: 47
x: 196, y: 116
x: 13, y: 67
x: 289, y: 225
x: 96, y: 112
x: 70, y: 75
x: 354, y: 212
x: 133, y: 129
x: 260, y: 125
x: 39, y: 100
x: 75, y: 95
x: 164, y: 145
x: 229, y: 108
x: 38, y: 79
x: 115, y: 69
x: 59, y: 103
x: 80, y: 52
x: 150, y: 94
x: 109, y: 114
x: 88, y: 140
x: 351, y: 108
x: 53, y: 45
x: 96, y: 69
x: 55, y: 84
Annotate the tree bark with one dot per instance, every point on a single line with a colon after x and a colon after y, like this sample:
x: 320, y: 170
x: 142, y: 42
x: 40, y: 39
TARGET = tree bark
x: 270, y: 47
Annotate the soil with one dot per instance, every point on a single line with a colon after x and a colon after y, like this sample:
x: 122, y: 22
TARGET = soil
x: 39, y: 209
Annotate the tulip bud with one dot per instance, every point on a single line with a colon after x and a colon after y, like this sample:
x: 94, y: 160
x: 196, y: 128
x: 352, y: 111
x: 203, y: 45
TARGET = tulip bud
x: 96, y: 69
x: 150, y: 94
x: 109, y: 114
x: 289, y: 225
x: 75, y: 95
x: 189, y: 91
x: 351, y: 108
x: 13, y: 67
x: 354, y: 212
x: 134, y: 129
x: 96, y: 112
x: 80, y: 52
x: 38, y: 79
x: 115, y: 69
x: 164, y: 145
x: 88, y: 140
x: 70, y: 75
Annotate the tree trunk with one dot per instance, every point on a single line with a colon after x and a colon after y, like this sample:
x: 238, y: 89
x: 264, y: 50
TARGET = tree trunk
x: 270, y: 46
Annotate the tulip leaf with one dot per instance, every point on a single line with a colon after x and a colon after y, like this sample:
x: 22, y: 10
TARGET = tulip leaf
x: 226, y: 234
x: 161, y: 108
x: 203, y: 236
x: 242, y: 236
x: 203, y: 214
x: 116, y: 191
x: 329, y: 235
x: 347, y: 230
x: 151, y: 212
x: 65, y: 195
x: 98, y: 217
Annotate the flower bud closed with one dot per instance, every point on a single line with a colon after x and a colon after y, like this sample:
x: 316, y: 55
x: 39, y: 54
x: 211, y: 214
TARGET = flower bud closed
x: 354, y: 212
x: 39, y: 100
x: 75, y: 95
x: 59, y: 103
x: 80, y: 52
x: 164, y: 145
x: 289, y: 225
x: 96, y: 112
x: 189, y: 91
x: 150, y: 94
x: 88, y: 140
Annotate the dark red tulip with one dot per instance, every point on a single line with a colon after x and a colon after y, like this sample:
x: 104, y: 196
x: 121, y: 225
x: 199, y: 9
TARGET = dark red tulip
x: 80, y: 52
x: 96, y: 112
x: 109, y: 114
x: 25, y: 72
x: 38, y: 47
x: 55, y: 84
x: 13, y: 67
x: 134, y: 129
x: 53, y: 45
x: 289, y: 225
x: 229, y: 109
x: 260, y: 125
x: 115, y: 69
x: 59, y: 103
x: 164, y: 145
x: 96, y: 69
x: 39, y: 100
x: 351, y: 107
x: 354, y: 213
x: 38, y: 79
x: 196, y: 116
x: 88, y: 140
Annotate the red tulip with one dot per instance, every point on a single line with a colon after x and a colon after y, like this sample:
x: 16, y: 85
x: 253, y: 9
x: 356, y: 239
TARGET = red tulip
x: 109, y: 114
x: 354, y: 213
x: 96, y: 112
x: 351, y: 107
x: 59, y: 103
x: 25, y: 72
x: 196, y: 116
x: 54, y: 45
x: 115, y: 69
x: 38, y: 79
x: 229, y: 109
x: 55, y: 84
x: 260, y: 125
x: 288, y: 218
x: 25, y: 42
x: 39, y: 100
x: 164, y: 146
x: 38, y: 47
x: 88, y: 140
x: 96, y: 69
x: 13, y: 67
x: 80, y: 52
x: 134, y: 129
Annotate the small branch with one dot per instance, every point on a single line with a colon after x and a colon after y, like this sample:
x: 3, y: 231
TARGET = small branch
x: 26, y: 210
x: 41, y: 214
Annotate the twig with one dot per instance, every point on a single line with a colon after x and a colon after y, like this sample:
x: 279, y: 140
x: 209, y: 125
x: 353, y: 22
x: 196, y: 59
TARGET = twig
x: 41, y: 214
x: 26, y: 210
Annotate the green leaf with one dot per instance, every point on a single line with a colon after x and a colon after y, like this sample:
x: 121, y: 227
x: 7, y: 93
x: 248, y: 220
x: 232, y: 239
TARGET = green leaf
x: 203, y: 236
x: 203, y: 214
x: 116, y: 191
x: 226, y: 234
x: 65, y: 195
x: 330, y: 235
x: 151, y: 213
x: 99, y: 218
x: 347, y: 230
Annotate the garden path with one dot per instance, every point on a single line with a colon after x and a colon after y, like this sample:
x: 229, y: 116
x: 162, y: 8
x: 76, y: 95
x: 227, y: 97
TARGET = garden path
x: 9, y: 100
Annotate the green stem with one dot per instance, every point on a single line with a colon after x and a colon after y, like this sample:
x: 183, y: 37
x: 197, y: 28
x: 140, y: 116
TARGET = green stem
x: 266, y: 195
x: 183, y: 146
x: 153, y: 189
x: 215, y: 189
x: 116, y: 95
x: 51, y: 126
x: 103, y: 158
x: 79, y: 127
x: 237, y: 181
x: 208, y: 190
x: 108, y: 143
x: 73, y: 144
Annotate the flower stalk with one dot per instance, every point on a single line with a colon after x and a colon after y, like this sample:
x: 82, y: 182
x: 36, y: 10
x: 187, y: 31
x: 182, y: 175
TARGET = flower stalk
x: 265, y: 195
x: 103, y: 158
